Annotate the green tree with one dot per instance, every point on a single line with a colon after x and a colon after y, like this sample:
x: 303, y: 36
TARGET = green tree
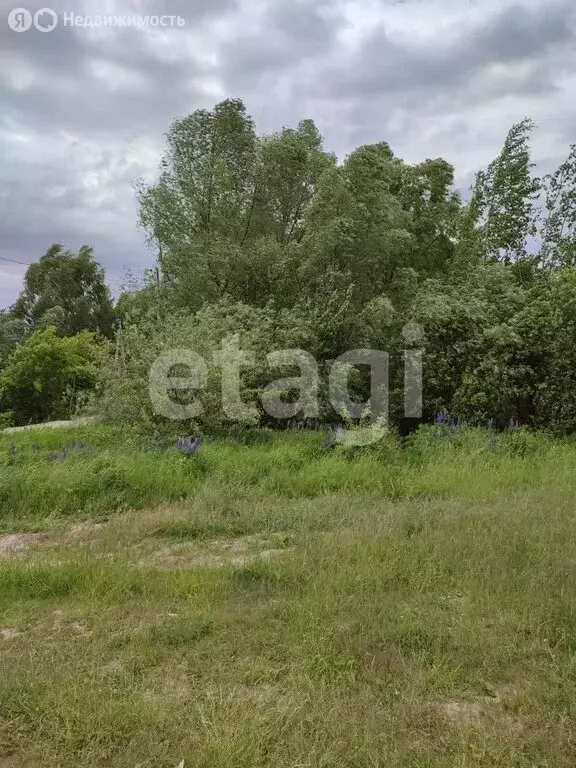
x: 503, y: 199
x: 272, y: 238
x: 558, y: 231
x: 427, y: 193
x: 43, y: 377
x: 227, y: 201
x: 207, y: 181
x: 292, y: 163
x: 66, y: 291
x: 547, y: 327
x: 13, y: 332
x: 357, y: 228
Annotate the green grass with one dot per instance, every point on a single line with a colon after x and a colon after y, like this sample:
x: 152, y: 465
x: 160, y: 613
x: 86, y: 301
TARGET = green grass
x: 282, y: 606
x: 117, y: 470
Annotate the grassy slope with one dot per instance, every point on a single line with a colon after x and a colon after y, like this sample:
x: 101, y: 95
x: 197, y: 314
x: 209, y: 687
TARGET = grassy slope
x: 411, y: 608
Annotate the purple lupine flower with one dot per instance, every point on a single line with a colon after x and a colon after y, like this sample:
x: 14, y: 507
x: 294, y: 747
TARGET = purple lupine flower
x: 190, y: 445
x: 441, y: 418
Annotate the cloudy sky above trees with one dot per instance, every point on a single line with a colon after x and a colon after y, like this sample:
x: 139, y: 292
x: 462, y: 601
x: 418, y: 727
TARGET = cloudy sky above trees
x: 83, y: 111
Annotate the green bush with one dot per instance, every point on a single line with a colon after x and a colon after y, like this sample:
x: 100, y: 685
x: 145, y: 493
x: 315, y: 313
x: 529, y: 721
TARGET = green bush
x: 42, y: 377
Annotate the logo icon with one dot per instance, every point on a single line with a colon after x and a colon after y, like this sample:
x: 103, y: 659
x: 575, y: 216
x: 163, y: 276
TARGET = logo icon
x: 45, y: 19
x: 19, y: 20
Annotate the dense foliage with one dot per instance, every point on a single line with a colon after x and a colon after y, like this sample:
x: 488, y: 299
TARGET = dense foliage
x: 43, y: 377
x: 66, y: 291
x: 48, y: 338
x: 273, y: 239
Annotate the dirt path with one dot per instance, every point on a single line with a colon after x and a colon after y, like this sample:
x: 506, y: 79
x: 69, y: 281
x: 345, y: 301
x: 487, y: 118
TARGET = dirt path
x: 84, y: 422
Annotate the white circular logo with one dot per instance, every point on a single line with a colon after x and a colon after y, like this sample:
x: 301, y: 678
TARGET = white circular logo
x: 19, y: 20
x: 45, y: 19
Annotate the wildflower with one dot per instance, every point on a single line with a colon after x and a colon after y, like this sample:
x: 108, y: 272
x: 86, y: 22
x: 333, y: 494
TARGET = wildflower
x: 63, y: 454
x: 36, y: 448
x: 441, y: 418
x: 12, y: 448
x: 190, y: 445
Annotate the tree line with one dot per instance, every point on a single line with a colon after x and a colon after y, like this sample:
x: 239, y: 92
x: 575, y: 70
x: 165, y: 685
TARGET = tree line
x: 273, y: 238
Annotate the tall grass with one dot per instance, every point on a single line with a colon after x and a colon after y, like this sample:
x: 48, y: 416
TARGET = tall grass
x: 97, y: 470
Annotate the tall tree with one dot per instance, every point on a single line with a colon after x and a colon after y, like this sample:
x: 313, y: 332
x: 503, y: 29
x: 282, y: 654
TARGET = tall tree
x: 357, y: 227
x: 227, y: 202
x: 426, y: 192
x: 292, y: 163
x: 558, y: 232
x: 67, y: 291
x: 503, y: 199
x: 272, y: 235
x: 13, y: 332
x: 207, y: 179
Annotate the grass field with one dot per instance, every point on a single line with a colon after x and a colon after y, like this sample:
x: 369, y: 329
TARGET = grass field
x: 278, y: 605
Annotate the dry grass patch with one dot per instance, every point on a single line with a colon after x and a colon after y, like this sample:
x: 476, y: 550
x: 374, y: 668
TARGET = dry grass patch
x: 15, y: 543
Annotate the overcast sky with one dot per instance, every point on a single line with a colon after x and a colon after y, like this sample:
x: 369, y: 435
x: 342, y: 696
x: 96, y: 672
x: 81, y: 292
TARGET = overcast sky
x: 83, y: 111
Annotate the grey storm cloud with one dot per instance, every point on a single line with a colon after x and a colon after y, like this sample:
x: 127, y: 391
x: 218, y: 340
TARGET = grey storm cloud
x: 287, y: 34
x: 514, y: 34
x: 83, y: 111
